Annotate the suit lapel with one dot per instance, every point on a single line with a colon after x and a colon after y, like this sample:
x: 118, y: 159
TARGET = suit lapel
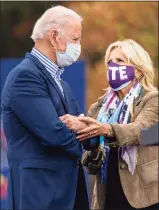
x: 140, y: 97
x: 49, y: 77
x: 66, y: 95
x: 138, y: 100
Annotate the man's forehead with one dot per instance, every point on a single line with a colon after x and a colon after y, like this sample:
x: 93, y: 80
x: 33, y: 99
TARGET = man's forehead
x: 74, y: 29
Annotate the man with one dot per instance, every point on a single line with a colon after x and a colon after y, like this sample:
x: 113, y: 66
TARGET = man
x: 43, y: 154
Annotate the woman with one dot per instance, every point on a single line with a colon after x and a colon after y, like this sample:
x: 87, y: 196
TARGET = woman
x: 129, y: 171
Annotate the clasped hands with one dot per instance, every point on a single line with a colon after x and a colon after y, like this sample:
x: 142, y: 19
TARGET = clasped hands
x: 85, y: 127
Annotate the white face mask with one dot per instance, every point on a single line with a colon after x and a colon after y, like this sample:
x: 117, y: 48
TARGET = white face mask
x: 71, y: 55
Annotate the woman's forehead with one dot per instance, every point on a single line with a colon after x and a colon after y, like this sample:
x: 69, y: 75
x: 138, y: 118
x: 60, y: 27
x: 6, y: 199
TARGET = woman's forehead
x: 117, y: 52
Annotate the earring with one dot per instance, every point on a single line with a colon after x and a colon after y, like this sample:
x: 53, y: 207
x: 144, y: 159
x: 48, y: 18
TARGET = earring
x: 136, y: 78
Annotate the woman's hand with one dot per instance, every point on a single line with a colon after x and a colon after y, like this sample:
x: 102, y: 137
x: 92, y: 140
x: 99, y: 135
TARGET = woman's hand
x: 95, y: 128
x: 73, y: 122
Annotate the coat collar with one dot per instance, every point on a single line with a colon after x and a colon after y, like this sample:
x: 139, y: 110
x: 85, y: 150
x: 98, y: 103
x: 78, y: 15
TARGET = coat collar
x: 49, y: 77
x: 140, y: 97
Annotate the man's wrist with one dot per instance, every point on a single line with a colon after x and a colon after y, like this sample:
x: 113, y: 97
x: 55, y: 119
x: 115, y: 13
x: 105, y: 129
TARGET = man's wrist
x: 104, y: 130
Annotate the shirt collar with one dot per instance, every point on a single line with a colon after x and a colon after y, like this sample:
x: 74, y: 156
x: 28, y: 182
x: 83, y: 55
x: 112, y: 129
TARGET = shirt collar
x: 54, y: 70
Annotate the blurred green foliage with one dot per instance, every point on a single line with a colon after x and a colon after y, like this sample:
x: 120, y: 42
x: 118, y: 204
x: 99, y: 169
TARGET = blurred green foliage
x: 104, y: 23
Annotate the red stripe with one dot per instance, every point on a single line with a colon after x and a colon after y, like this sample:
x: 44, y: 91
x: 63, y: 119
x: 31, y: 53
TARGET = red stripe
x: 114, y: 95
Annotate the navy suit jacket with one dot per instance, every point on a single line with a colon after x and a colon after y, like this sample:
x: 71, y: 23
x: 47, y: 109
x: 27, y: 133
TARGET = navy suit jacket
x: 43, y: 153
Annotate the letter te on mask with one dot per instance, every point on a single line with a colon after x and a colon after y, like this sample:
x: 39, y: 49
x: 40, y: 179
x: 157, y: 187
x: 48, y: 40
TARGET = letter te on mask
x: 123, y: 75
x: 114, y: 70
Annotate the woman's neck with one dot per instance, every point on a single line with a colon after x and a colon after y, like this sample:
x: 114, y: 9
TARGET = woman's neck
x: 124, y: 91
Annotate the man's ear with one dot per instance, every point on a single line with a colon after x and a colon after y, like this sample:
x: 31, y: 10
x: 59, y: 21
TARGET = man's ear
x: 53, y: 37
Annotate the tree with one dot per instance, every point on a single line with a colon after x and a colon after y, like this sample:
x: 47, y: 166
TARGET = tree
x: 104, y: 23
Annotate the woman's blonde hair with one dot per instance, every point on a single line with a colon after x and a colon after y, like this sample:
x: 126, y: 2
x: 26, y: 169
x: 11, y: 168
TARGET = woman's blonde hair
x: 137, y: 56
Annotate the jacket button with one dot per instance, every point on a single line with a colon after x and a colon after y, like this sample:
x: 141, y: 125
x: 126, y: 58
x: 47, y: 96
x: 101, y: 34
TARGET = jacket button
x: 78, y: 163
x: 122, y: 166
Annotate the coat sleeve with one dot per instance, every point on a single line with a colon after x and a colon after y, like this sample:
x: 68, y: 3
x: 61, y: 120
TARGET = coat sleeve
x: 32, y: 105
x: 128, y: 134
x: 92, y: 143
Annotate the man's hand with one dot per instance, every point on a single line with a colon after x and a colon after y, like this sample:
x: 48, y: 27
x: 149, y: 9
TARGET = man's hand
x: 73, y: 122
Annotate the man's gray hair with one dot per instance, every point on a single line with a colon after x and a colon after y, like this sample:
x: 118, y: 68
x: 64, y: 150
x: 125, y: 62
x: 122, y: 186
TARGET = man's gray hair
x: 55, y: 17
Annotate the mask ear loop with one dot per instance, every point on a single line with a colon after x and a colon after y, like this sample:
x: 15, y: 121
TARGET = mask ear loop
x: 61, y: 34
x: 138, y: 78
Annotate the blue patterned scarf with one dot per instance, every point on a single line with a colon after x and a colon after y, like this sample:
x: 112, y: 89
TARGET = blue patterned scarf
x: 115, y: 111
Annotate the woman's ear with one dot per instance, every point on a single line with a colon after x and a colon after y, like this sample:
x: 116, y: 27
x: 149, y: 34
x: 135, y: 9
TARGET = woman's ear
x: 138, y: 74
